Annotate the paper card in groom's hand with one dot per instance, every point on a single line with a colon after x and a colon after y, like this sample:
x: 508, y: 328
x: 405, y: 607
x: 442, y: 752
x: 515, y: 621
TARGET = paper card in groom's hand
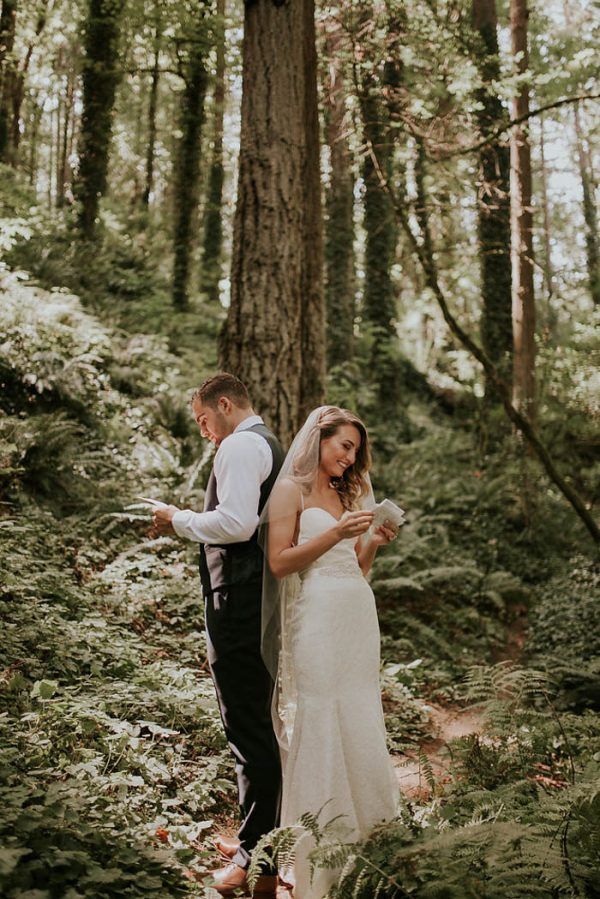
x: 388, y: 514
x: 156, y: 503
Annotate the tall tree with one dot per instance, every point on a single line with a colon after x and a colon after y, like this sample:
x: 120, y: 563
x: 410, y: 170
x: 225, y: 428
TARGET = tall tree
x: 274, y: 334
x: 548, y: 266
x: 590, y: 216
x: 8, y: 21
x: 101, y: 75
x: 213, y: 223
x: 35, y: 118
x: 379, y: 300
x: 187, y: 165
x: 67, y: 103
x: 523, y: 301
x: 312, y: 381
x: 493, y: 195
x: 339, y: 243
x: 19, y: 77
x: 152, y: 108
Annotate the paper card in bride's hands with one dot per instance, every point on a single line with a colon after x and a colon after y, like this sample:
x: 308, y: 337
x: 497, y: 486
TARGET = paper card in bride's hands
x: 389, y: 514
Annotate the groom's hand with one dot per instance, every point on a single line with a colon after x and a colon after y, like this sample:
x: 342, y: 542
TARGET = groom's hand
x: 162, y: 521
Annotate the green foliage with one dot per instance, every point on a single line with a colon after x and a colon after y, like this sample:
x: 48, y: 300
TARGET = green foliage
x: 565, y: 637
x: 112, y: 758
x: 109, y: 733
x: 406, y: 716
x: 89, y: 412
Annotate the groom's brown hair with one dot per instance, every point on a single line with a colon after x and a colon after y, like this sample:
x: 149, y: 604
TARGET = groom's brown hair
x: 222, y: 384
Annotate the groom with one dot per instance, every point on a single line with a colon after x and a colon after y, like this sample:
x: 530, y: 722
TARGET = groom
x: 246, y: 464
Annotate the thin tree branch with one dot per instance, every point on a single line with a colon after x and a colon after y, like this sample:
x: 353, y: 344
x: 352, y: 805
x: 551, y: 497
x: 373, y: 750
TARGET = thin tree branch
x: 512, y: 123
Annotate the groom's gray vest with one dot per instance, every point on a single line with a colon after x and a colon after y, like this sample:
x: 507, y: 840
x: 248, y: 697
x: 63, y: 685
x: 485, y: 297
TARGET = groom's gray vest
x: 227, y: 564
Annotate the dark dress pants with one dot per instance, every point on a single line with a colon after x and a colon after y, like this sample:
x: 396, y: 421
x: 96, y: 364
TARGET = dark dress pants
x: 244, y: 691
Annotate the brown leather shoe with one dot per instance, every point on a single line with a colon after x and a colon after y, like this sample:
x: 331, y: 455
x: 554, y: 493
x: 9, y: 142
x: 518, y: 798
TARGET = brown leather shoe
x: 227, y: 846
x: 232, y: 877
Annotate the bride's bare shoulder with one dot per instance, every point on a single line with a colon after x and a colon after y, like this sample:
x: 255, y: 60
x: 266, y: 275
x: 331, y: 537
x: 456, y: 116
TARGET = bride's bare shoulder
x: 287, y: 492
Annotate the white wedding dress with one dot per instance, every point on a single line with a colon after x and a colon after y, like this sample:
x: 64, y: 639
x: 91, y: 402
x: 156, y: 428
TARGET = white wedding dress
x: 337, y: 754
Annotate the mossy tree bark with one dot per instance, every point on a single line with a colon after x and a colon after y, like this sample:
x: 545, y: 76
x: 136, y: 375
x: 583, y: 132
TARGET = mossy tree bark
x: 187, y: 166
x: 493, y: 209
x: 339, y: 242
x: 523, y: 300
x: 101, y: 75
x: 152, y: 130
x: 274, y: 334
x: 8, y: 21
x: 379, y: 300
x: 213, y: 218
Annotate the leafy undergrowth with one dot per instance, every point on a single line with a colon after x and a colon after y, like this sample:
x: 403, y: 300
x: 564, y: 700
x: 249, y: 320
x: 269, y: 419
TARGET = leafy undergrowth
x: 112, y: 757
x: 113, y: 763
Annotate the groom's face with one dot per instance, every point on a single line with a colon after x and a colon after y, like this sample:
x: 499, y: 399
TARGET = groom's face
x: 212, y: 421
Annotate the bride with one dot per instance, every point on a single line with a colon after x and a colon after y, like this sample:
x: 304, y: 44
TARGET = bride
x: 321, y: 639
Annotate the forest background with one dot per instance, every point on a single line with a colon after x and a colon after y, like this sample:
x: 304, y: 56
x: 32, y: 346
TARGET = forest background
x: 386, y: 205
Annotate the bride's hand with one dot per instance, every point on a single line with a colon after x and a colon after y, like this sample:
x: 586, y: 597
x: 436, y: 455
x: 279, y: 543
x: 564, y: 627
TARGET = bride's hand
x: 383, y: 535
x: 353, y: 524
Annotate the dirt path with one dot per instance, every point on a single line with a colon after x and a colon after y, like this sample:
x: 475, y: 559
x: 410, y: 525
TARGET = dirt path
x: 447, y: 724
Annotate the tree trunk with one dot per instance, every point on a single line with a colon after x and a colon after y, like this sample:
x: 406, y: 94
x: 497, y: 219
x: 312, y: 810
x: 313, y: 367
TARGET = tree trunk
x: 65, y: 171
x: 51, y: 160
x: 548, y: 267
x: 589, y: 201
x: 60, y: 111
x: 34, y: 127
x: 379, y: 302
x: 17, y: 91
x: 493, y: 207
x: 339, y: 245
x: 589, y: 212
x: 8, y: 21
x: 312, y: 382
x: 137, y: 143
x: 152, y: 106
x: 213, y: 225
x: 523, y: 303
x: 187, y: 167
x: 101, y: 75
x: 274, y: 334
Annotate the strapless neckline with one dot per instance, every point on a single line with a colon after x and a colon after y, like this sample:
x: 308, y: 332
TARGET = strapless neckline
x: 321, y: 509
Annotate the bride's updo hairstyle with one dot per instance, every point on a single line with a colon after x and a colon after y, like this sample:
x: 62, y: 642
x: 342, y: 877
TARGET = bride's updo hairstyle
x: 353, y: 483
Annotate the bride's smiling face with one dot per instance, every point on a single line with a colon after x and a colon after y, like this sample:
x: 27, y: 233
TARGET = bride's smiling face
x: 338, y: 452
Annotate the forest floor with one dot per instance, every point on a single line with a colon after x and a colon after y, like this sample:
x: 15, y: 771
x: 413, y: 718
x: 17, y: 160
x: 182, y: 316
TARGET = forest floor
x: 450, y: 722
x: 447, y: 723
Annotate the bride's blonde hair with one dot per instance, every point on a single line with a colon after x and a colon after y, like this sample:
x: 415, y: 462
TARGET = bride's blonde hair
x: 353, y: 483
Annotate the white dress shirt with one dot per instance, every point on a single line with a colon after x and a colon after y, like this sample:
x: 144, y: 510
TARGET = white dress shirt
x: 242, y: 462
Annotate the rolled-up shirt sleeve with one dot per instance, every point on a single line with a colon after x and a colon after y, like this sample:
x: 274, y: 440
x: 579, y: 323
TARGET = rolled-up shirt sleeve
x: 243, y: 461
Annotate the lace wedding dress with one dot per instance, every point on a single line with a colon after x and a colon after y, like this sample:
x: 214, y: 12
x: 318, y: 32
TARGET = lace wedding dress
x: 337, y: 756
